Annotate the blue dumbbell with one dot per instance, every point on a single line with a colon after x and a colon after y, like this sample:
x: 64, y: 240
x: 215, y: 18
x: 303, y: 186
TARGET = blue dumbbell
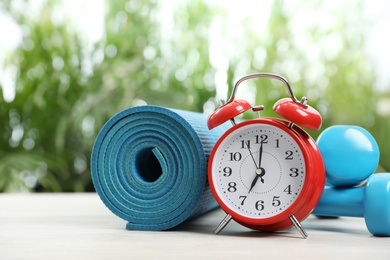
x: 350, y: 155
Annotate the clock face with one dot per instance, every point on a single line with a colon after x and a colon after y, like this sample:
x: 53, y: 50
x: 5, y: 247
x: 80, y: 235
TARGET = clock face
x: 258, y: 170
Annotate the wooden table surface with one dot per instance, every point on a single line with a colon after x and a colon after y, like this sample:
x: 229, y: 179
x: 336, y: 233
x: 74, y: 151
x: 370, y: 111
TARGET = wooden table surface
x: 79, y: 226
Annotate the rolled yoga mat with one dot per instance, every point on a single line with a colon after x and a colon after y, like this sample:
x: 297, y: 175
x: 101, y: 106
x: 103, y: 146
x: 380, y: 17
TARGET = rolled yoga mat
x: 149, y: 166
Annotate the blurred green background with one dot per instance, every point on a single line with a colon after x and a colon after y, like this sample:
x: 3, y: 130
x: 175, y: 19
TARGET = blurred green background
x: 71, y: 65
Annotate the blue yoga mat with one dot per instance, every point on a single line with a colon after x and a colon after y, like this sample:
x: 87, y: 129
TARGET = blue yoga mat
x: 149, y: 166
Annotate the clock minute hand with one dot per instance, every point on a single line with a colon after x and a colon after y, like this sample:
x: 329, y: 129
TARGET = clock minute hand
x: 260, y: 154
x: 259, y: 171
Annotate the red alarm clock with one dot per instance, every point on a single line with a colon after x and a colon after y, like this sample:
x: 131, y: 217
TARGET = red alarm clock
x: 266, y: 173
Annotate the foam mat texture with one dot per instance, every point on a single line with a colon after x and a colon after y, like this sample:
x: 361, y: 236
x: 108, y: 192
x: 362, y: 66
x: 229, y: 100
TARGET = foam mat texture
x: 149, y: 166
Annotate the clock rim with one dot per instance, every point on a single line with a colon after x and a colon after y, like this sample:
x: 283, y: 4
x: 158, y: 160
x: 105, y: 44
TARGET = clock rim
x: 312, y: 187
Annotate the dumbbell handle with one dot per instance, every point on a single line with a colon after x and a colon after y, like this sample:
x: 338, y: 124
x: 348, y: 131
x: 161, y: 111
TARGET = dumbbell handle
x: 371, y: 202
x: 346, y: 202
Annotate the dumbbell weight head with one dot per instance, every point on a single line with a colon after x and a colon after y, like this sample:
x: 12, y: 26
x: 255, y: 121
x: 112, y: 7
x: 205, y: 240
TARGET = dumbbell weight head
x: 377, y: 204
x: 371, y: 202
x: 350, y: 154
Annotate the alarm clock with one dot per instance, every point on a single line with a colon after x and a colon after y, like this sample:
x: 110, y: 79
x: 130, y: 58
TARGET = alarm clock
x: 266, y: 173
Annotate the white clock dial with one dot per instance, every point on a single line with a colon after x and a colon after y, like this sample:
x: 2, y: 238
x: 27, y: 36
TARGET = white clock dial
x: 258, y: 170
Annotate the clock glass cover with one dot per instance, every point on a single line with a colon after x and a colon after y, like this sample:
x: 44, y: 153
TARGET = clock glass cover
x: 258, y: 170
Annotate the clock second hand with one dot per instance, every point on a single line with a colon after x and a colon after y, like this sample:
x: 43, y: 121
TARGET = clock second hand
x: 250, y: 152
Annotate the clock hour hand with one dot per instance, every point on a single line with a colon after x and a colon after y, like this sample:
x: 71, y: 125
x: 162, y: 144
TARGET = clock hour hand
x: 253, y: 183
x: 259, y: 175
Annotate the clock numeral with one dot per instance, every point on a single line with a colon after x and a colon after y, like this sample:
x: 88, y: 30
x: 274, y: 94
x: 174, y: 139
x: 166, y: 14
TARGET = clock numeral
x: 289, y: 155
x: 232, y: 187
x: 259, y: 205
x: 261, y: 139
x: 276, y: 202
x: 277, y: 143
x: 245, y: 144
x: 242, y: 198
x: 227, y: 171
x: 235, y: 156
x: 294, y: 172
x: 288, y: 189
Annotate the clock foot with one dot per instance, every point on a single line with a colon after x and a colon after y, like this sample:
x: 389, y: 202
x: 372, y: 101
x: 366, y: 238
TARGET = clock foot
x: 223, y: 223
x: 298, y: 226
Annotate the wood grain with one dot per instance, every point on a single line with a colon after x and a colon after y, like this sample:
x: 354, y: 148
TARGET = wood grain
x: 79, y: 226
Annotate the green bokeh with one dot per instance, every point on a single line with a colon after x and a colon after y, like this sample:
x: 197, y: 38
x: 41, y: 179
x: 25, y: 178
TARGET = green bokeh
x: 66, y: 89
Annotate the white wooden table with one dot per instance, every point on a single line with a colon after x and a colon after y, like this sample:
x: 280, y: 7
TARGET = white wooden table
x: 79, y: 226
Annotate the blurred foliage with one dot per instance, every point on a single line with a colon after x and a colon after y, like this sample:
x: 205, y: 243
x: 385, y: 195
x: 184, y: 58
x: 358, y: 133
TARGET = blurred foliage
x: 66, y: 89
